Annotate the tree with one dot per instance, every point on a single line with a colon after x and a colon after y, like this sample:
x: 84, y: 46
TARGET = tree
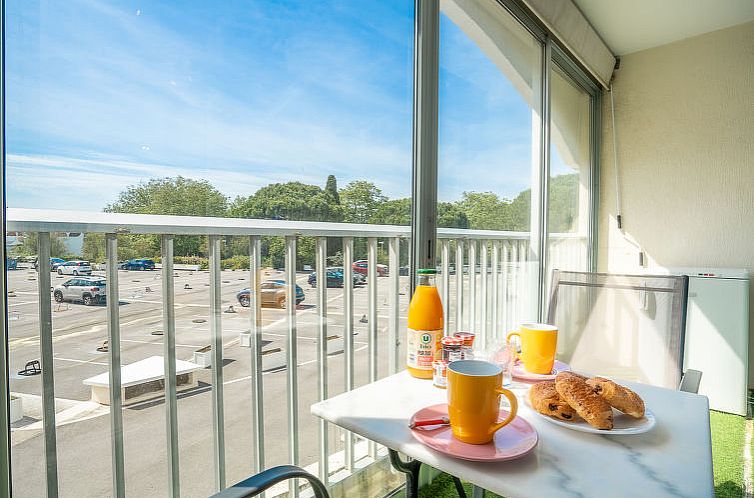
x: 563, y: 209
x: 451, y: 215
x: 393, y: 212
x: 486, y: 211
x: 331, y: 189
x: 287, y: 201
x: 174, y: 196
x: 360, y: 201
x: 177, y: 196
x: 29, y: 246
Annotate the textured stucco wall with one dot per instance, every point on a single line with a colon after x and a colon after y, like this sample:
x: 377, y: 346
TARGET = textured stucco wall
x: 685, y: 127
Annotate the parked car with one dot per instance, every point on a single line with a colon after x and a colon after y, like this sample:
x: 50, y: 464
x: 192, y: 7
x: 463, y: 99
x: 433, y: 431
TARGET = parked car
x: 75, y: 268
x: 272, y: 294
x: 334, y: 279
x: 358, y: 278
x: 362, y: 266
x: 137, y: 264
x: 54, y: 263
x: 89, y: 290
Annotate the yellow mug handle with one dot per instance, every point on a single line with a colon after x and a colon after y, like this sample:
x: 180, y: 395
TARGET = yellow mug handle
x: 513, y: 409
x: 508, y: 340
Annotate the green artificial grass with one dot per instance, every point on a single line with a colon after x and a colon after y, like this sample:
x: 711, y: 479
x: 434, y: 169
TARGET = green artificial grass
x: 728, y: 433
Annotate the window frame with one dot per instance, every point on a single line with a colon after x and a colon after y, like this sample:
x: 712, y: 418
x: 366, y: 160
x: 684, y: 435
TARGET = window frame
x: 426, y: 143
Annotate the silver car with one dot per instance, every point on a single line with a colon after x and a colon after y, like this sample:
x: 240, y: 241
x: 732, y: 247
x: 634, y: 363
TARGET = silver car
x: 75, y: 268
x: 89, y: 290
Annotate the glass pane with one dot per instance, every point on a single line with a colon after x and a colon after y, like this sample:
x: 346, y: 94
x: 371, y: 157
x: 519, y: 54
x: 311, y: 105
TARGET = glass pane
x: 569, y: 213
x: 489, y: 122
x: 285, y: 111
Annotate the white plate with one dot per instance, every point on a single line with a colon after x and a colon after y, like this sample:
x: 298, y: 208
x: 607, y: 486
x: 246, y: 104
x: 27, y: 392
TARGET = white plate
x: 622, y: 424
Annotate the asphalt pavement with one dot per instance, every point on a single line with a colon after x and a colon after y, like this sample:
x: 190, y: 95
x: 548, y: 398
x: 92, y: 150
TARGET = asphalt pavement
x: 83, y: 432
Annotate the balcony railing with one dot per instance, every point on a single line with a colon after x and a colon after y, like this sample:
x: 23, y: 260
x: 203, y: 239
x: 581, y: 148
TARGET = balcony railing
x: 485, y: 283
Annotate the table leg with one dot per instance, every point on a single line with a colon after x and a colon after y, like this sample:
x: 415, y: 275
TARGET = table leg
x: 411, y: 468
x: 459, y: 487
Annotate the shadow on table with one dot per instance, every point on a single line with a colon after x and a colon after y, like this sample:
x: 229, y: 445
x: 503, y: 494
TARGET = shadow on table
x: 729, y: 489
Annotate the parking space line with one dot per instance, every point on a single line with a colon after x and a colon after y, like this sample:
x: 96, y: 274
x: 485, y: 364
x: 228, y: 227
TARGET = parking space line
x: 22, y: 303
x: 313, y: 339
x: 92, y: 362
x: 160, y: 343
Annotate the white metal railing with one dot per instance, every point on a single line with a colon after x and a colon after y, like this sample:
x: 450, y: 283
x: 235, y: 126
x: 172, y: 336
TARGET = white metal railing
x: 491, y: 274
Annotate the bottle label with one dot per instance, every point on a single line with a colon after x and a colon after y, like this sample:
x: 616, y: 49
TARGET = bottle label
x: 423, y: 348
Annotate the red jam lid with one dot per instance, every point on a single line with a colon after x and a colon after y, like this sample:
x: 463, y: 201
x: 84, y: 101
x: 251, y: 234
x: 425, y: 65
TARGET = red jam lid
x: 452, y: 341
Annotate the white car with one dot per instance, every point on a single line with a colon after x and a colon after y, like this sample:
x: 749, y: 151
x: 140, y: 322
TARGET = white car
x: 89, y: 290
x: 75, y: 268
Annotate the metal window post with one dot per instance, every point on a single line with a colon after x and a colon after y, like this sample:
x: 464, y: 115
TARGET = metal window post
x: 5, y: 471
x: 544, y: 180
x: 424, y: 192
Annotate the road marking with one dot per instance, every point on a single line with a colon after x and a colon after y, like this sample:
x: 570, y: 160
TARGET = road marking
x: 80, y: 361
x: 748, y: 491
x: 241, y: 379
x: 159, y: 343
x: 23, y: 303
x: 300, y: 338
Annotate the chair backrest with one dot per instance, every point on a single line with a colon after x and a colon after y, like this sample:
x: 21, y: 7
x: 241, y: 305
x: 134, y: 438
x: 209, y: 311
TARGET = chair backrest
x: 690, y: 381
x: 626, y: 326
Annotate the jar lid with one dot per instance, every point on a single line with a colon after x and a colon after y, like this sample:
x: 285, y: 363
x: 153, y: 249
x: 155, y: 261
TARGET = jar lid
x: 452, y: 341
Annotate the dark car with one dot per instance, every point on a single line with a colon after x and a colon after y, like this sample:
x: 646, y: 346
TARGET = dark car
x: 358, y: 278
x: 54, y: 263
x: 137, y: 264
x: 334, y: 278
x: 272, y: 294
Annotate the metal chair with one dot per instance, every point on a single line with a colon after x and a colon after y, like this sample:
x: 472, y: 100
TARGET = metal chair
x: 257, y: 484
x: 690, y: 381
x: 627, y: 326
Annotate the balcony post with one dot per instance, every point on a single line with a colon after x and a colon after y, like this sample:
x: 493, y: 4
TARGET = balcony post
x: 171, y: 397
x: 255, y: 328
x: 291, y: 357
x: 424, y: 192
x: 113, y: 347
x: 48, y: 368
x: 215, y: 310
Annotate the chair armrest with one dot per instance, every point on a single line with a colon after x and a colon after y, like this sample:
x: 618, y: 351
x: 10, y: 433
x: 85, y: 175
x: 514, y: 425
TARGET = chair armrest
x: 254, y: 485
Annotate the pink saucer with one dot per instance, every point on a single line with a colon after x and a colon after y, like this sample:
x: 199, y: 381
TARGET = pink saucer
x: 520, y: 373
x: 512, y: 441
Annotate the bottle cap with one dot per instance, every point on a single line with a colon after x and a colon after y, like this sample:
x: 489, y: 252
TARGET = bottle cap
x: 426, y: 271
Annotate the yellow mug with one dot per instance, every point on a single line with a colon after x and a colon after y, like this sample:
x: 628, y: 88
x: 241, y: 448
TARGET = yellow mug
x: 474, y: 389
x: 539, y: 343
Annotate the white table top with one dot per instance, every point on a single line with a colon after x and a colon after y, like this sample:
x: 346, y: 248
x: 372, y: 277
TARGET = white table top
x: 674, y: 459
x: 148, y: 369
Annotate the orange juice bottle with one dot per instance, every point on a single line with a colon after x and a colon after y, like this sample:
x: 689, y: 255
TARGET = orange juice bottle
x: 425, y: 326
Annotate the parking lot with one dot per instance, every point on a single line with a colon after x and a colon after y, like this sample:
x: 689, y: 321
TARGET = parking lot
x: 83, y: 433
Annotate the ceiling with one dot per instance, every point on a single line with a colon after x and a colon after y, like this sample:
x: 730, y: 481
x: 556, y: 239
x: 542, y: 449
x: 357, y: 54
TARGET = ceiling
x: 630, y: 26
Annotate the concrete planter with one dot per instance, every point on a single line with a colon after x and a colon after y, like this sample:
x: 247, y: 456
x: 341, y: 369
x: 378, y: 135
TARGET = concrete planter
x: 203, y: 357
x: 16, y: 409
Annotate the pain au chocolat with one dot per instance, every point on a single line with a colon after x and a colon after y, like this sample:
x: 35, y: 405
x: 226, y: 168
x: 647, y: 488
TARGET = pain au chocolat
x: 581, y: 397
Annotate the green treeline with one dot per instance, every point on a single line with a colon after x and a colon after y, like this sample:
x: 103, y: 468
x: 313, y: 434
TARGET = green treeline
x: 358, y: 202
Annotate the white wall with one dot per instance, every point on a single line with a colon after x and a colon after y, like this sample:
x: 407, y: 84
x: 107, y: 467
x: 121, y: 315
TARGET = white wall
x: 685, y: 122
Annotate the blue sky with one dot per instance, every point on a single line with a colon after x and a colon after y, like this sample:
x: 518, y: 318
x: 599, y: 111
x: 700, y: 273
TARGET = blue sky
x: 104, y: 94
